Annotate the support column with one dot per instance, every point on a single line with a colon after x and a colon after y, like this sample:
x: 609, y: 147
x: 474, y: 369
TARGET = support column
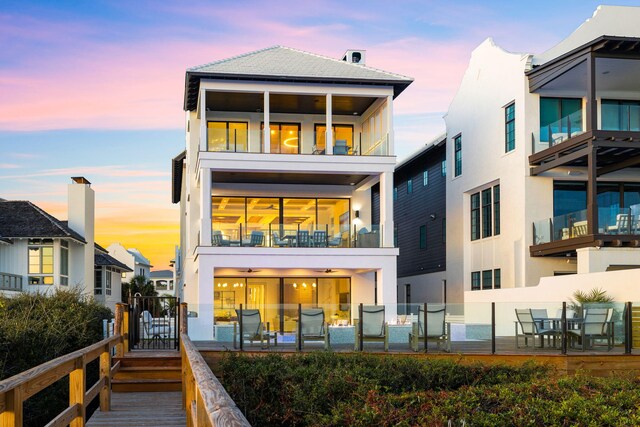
x: 266, y: 132
x: 592, y: 108
x: 201, y: 327
x: 387, y: 290
x: 592, y: 191
x: 390, y: 148
x: 329, y: 121
x: 205, y: 207
x: 386, y: 208
x: 203, y: 121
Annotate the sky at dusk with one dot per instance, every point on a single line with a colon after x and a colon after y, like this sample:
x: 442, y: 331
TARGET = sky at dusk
x: 95, y: 88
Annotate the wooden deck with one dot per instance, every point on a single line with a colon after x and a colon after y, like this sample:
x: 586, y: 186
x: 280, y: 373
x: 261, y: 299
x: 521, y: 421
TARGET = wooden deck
x: 142, y: 409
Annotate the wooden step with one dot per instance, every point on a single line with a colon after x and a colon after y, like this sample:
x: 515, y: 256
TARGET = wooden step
x: 149, y: 373
x: 150, y: 385
x: 142, y: 361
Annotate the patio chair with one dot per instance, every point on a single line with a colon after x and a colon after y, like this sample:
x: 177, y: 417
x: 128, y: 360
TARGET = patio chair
x: 530, y: 328
x: 341, y: 148
x: 335, y: 241
x: 154, y: 330
x: 253, y: 329
x: 303, y: 239
x: 256, y: 239
x: 217, y: 239
x: 622, y: 225
x: 437, y: 329
x: 374, y: 327
x: 277, y: 241
x: 312, y: 326
x: 320, y: 239
x: 597, y: 324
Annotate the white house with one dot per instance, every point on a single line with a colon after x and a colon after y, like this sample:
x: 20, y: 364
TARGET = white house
x: 163, y: 282
x: 132, y: 258
x: 543, y: 154
x: 39, y: 253
x: 282, y: 148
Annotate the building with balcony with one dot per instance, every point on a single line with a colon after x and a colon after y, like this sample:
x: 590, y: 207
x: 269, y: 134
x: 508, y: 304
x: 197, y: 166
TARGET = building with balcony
x: 138, y: 264
x: 39, y: 253
x: 163, y: 282
x: 543, y: 157
x: 282, y: 149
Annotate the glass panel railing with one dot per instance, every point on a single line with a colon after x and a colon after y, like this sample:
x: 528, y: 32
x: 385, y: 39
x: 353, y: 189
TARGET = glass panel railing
x: 558, y: 131
x: 619, y: 221
x: 228, y: 140
x: 561, y: 227
x: 296, y: 235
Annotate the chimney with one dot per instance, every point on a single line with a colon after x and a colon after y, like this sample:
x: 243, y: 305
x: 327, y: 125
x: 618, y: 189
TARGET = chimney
x: 355, y: 56
x: 81, y: 216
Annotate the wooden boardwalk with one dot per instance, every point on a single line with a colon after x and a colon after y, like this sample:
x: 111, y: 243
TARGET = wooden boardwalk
x: 163, y: 409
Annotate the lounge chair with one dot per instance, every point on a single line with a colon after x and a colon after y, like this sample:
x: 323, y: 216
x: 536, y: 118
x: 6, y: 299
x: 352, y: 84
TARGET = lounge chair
x: 153, y: 329
x: 277, y: 241
x: 437, y: 329
x: 374, y: 327
x: 312, y: 326
x: 531, y: 328
x: 253, y: 329
x: 597, y: 324
x: 256, y: 239
x: 217, y: 239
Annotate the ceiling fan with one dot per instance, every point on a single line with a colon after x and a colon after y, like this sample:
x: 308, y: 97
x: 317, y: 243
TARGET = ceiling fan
x: 250, y: 270
x: 327, y: 270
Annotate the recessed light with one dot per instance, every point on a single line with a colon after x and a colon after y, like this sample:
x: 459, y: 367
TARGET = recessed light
x: 605, y: 72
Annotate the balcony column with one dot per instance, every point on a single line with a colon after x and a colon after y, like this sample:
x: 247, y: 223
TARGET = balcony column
x: 205, y: 207
x: 203, y: 120
x: 386, y: 208
x: 387, y: 293
x: 266, y: 132
x: 329, y: 133
x: 389, y: 149
x: 592, y: 108
x: 592, y: 192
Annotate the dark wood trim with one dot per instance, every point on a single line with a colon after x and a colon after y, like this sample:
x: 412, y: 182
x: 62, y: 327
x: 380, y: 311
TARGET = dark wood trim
x: 628, y: 162
x: 565, y: 146
x: 592, y: 110
x: 559, y: 161
x: 568, y: 246
x: 592, y: 190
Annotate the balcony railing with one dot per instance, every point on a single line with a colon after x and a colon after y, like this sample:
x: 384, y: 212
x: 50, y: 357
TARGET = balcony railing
x: 238, y: 142
x: 296, y: 236
x: 10, y: 282
x: 611, y: 221
x: 558, y: 132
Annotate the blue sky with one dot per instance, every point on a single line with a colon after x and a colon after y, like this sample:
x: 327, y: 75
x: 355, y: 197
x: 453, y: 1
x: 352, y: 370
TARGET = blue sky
x: 95, y: 88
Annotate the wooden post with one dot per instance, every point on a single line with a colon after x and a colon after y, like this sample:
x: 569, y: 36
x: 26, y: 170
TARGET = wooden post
x: 12, y: 415
x: 77, y: 379
x: 105, y: 372
x: 183, y: 364
x: 117, y: 328
x: 184, y: 323
x: 125, y: 328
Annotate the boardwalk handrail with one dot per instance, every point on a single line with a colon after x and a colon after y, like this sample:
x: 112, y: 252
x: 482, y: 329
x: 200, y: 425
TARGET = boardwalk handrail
x: 205, y: 400
x: 18, y: 388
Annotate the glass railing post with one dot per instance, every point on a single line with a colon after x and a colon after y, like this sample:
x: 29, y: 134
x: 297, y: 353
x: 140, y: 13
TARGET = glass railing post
x: 493, y: 328
x: 628, y: 327
x: 355, y: 236
x: 298, y: 236
x: 424, y: 322
x: 564, y: 327
x: 270, y: 239
x: 360, y: 328
x: 326, y: 235
x: 240, y: 325
x: 240, y: 236
x: 551, y: 237
x: 299, y: 328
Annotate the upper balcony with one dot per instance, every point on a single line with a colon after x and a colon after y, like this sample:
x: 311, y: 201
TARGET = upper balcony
x: 10, y: 282
x: 293, y: 123
x: 589, y: 104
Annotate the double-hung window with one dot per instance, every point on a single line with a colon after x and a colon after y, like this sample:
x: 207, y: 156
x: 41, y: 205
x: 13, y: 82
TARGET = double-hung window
x: 423, y: 237
x: 510, y: 127
x: 425, y: 178
x: 475, y: 216
x: 485, y: 213
x: 475, y: 281
x: 409, y: 186
x: 457, y: 143
x: 40, y: 261
x: 64, y: 262
x: 227, y: 136
x: 443, y: 168
x: 97, y: 286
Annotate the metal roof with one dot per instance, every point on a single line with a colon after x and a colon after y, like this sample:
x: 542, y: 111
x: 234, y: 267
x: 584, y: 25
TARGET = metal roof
x: 282, y: 63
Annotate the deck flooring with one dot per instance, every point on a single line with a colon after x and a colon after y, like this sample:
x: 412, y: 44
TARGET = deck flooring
x: 142, y: 409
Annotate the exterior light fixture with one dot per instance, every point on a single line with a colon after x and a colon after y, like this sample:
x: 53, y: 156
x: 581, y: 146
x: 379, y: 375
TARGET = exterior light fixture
x: 357, y: 213
x: 313, y: 285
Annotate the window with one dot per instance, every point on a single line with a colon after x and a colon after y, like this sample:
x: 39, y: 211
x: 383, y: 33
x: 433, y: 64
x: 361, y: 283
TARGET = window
x: 457, y: 142
x: 496, y: 210
x: 475, y: 281
x: 285, y: 138
x: 340, y: 132
x: 64, y: 262
x: 444, y: 230
x: 620, y: 115
x: 107, y: 281
x: 423, y: 237
x: 425, y: 178
x: 510, y: 127
x: 227, y: 136
x: 560, y: 118
x: 496, y: 278
x: 475, y: 216
x: 409, y: 186
x: 97, y: 287
x: 395, y: 193
x: 123, y: 275
x: 40, y: 261
x: 443, y: 168
x: 487, y: 279
x: 486, y: 213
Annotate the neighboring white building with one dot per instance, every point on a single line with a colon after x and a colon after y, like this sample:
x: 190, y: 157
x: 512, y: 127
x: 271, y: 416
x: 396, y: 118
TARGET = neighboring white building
x: 282, y: 148
x: 543, y: 154
x: 39, y: 253
x: 133, y: 259
x: 163, y: 282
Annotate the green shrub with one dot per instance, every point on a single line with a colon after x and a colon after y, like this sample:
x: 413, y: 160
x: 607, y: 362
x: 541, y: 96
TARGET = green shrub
x: 36, y: 328
x: 302, y: 389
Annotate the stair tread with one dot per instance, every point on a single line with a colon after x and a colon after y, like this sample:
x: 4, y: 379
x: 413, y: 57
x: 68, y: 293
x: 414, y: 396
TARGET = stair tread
x: 144, y: 380
x: 150, y: 368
